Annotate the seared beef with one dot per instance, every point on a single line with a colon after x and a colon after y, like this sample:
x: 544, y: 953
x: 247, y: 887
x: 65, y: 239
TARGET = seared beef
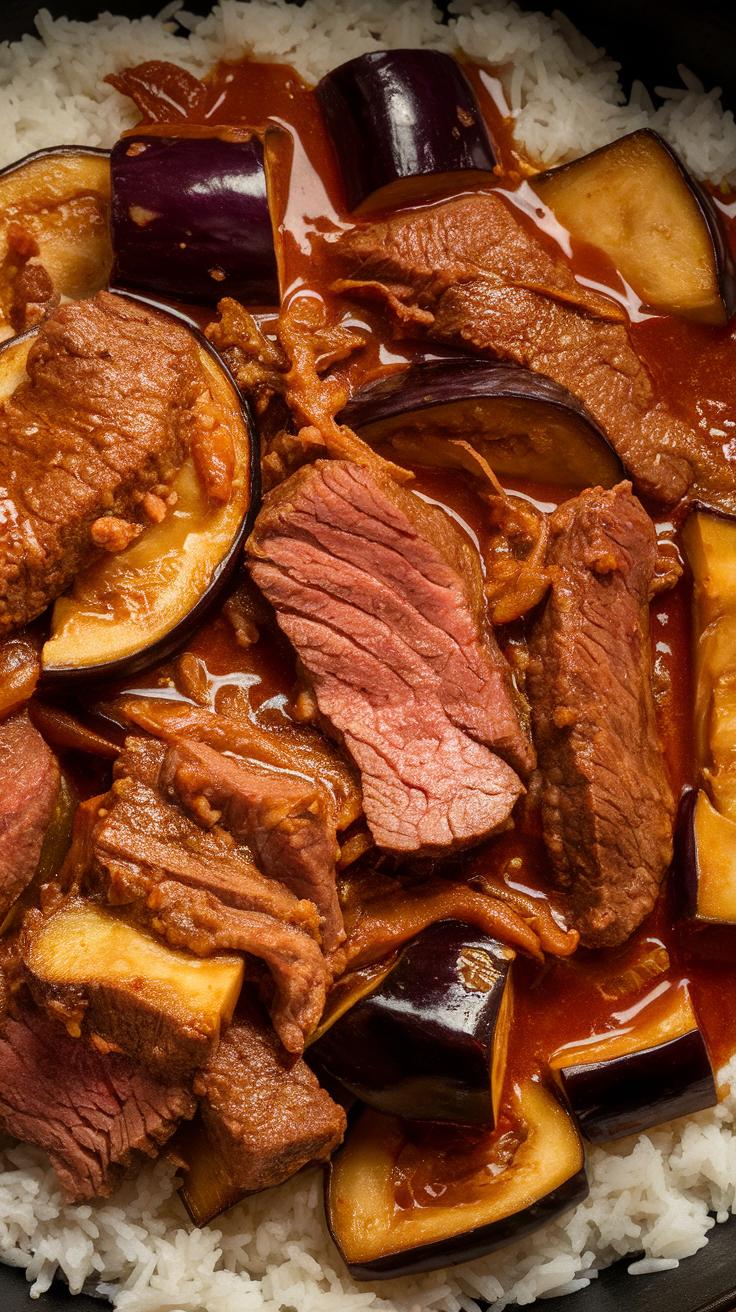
x: 101, y: 420
x: 29, y: 785
x: 264, y: 1116
x: 607, y: 808
x: 94, y: 1113
x: 286, y: 821
x: 467, y: 272
x: 382, y: 597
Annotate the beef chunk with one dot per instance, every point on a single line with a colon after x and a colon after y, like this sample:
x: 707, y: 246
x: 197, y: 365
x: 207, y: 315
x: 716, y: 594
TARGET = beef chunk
x: 287, y: 822
x: 607, y: 808
x: 101, y: 420
x: 29, y: 784
x: 382, y: 597
x: 94, y: 1113
x: 264, y: 1116
x: 468, y: 273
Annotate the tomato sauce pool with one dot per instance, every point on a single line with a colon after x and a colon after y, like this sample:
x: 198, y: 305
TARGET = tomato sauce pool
x: 693, y: 366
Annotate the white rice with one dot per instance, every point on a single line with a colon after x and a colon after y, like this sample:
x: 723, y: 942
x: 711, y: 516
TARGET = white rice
x: 650, y: 1194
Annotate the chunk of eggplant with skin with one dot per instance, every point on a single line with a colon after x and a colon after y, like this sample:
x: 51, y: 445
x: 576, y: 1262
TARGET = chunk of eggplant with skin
x: 136, y: 607
x: 405, y: 1197
x: 404, y: 124
x: 54, y: 211
x: 635, y: 200
x: 705, y: 861
x: 430, y: 1039
x: 524, y: 425
x: 654, y: 1068
x: 190, y: 216
x: 159, y: 1005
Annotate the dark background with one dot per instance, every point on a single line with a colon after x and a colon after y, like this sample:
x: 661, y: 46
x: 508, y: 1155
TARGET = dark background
x: 649, y: 38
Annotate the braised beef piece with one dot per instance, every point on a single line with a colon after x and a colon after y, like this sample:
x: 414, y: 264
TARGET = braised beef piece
x: 468, y: 272
x: 95, y: 1113
x: 607, y: 808
x: 100, y: 421
x: 382, y: 597
x: 263, y: 1117
x: 29, y: 785
x: 285, y: 820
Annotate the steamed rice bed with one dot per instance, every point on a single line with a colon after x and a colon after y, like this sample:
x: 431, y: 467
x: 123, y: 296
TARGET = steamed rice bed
x: 651, y: 1194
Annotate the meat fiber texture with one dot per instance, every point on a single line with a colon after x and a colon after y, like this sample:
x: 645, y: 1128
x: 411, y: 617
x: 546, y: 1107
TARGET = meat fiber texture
x: 467, y: 272
x: 94, y: 1113
x: 100, y: 421
x: 381, y: 595
x: 607, y: 807
x: 29, y: 785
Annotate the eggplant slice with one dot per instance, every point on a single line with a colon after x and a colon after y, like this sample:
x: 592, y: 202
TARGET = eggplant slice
x: 526, y: 426
x: 134, y: 608
x: 636, y: 201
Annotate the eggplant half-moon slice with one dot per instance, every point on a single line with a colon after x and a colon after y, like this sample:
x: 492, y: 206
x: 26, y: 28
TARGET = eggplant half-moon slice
x: 54, y: 212
x: 654, y: 1068
x: 133, y: 608
x: 404, y: 1197
x: 430, y: 1039
x: 524, y: 425
x: 635, y: 200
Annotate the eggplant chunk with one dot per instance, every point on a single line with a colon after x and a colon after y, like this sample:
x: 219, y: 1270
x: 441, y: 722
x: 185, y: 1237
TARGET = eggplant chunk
x: 132, y: 608
x: 54, y: 231
x: 524, y: 425
x: 403, y: 122
x: 162, y: 1006
x: 190, y: 215
x: 404, y: 1197
x: 654, y: 1068
x: 705, y: 860
x: 430, y: 1040
x: 635, y: 200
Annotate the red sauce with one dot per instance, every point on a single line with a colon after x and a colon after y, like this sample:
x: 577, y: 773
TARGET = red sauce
x: 694, y: 369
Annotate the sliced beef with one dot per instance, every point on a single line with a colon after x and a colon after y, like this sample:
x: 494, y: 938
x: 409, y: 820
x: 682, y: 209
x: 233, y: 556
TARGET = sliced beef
x: 263, y: 1117
x: 29, y: 786
x: 101, y: 419
x: 285, y: 820
x: 467, y: 272
x: 94, y: 1113
x: 382, y: 597
x: 607, y: 808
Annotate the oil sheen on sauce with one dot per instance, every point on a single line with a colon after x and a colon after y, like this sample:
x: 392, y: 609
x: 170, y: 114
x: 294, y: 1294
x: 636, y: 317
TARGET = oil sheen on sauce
x: 693, y: 366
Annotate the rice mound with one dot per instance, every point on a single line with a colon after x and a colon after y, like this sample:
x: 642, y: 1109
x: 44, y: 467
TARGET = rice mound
x: 650, y: 1194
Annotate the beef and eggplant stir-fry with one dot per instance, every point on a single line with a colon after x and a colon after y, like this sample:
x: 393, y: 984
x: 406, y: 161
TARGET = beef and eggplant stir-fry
x: 368, y: 645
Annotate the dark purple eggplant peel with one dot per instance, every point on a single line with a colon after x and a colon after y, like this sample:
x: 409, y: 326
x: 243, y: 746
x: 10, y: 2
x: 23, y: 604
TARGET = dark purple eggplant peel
x: 190, y: 217
x: 401, y: 121
x: 525, y: 425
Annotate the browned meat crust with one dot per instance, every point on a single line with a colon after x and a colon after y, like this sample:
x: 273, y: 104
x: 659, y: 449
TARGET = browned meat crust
x: 29, y: 784
x: 607, y: 808
x: 100, y: 421
x: 94, y: 1113
x: 382, y: 598
x: 467, y: 272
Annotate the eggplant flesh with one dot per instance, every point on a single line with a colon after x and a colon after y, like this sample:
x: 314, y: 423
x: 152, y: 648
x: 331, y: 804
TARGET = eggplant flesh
x: 524, y: 425
x: 190, y: 216
x: 133, y: 608
x: 386, y: 1186
x: 654, y: 1069
x: 429, y: 1041
x: 635, y: 200
x: 404, y: 124
x: 54, y: 211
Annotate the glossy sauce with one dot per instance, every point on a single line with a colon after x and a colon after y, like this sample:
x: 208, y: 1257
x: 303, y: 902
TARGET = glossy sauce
x: 693, y: 367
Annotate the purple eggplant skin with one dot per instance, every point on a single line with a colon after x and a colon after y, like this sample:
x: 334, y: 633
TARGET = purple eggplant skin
x: 685, y: 859
x: 395, y: 114
x: 459, y: 378
x: 61, y: 680
x: 634, y: 1092
x: 190, y: 218
x: 421, y: 1045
